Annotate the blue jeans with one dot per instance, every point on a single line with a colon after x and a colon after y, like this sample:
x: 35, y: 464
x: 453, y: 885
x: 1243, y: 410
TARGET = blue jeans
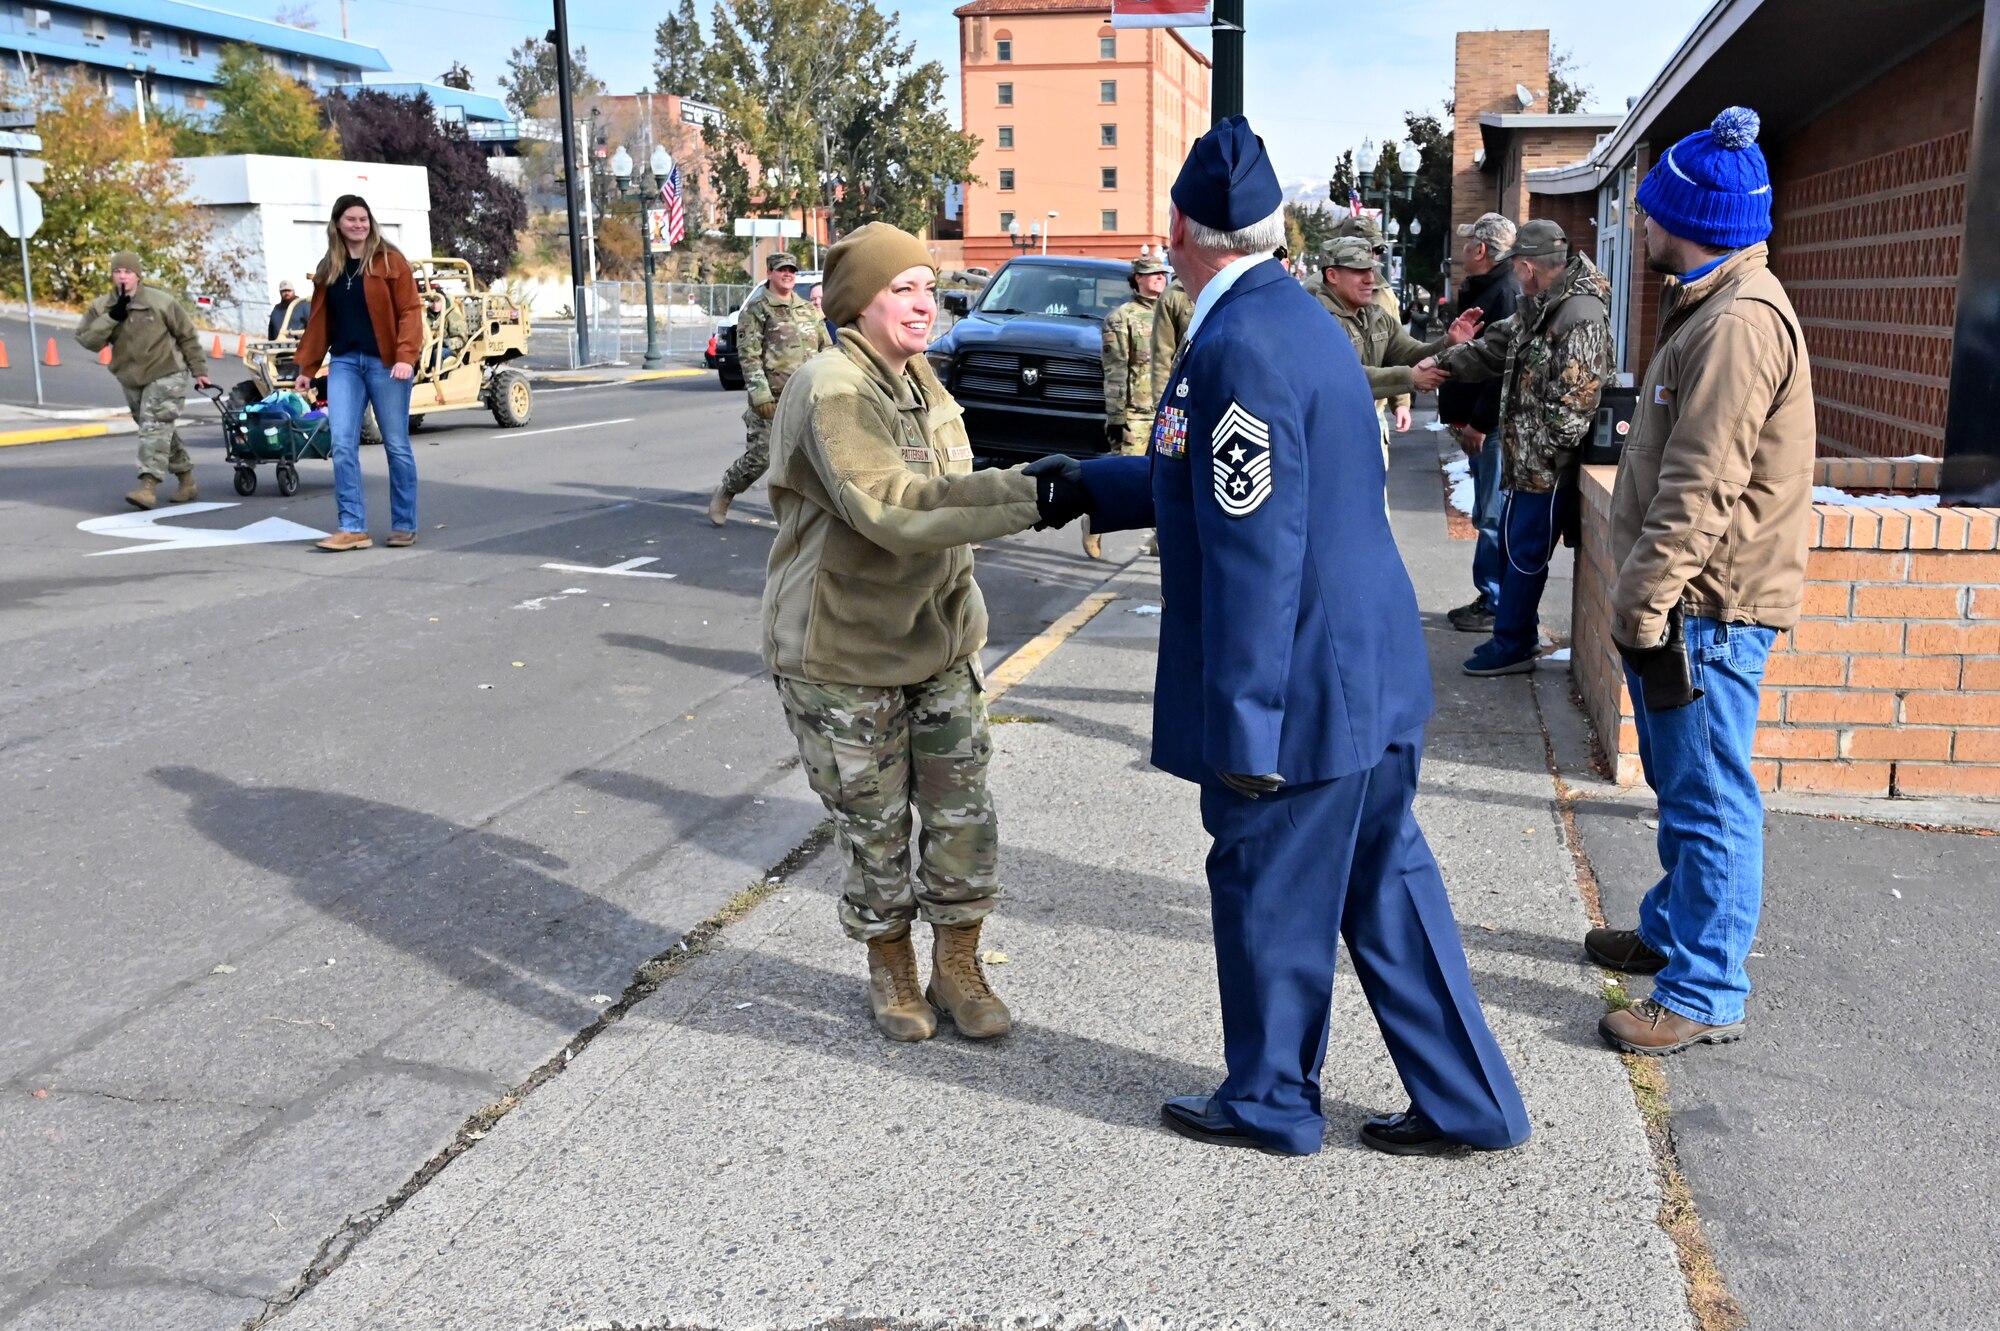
x: 1702, y: 914
x: 1531, y: 523
x: 355, y: 380
x: 1486, y: 558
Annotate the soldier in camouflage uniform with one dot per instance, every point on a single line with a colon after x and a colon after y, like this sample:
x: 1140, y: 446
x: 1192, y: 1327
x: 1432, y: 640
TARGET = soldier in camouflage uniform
x: 1553, y: 356
x: 1129, y: 398
x: 777, y: 331
x: 1170, y: 325
x: 1368, y: 229
x: 1389, y: 356
x: 154, y: 353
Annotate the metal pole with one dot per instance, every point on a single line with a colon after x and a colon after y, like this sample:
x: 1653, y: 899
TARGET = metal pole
x: 1226, y: 79
x: 653, y: 357
x: 566, y: 109
x: 27, y: 284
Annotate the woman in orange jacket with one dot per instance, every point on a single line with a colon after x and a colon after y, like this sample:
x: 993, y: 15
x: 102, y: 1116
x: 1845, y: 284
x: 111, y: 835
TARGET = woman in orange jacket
x: 367, y: 325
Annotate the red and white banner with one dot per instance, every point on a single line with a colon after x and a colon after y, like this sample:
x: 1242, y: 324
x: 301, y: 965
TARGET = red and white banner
x: 1162, y: 13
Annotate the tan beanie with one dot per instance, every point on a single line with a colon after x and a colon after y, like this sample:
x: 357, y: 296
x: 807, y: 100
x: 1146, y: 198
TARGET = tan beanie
x: 865, y: 261
x: 127, y: 260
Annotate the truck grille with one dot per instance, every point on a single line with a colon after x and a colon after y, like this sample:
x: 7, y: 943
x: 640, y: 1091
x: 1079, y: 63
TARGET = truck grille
x: 1058, y: 379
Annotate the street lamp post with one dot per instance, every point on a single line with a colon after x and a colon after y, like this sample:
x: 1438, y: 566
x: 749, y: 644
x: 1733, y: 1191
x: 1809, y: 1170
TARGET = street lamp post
x: 644, y: 190
x: 1025, y: 241
x: 1402, y: 183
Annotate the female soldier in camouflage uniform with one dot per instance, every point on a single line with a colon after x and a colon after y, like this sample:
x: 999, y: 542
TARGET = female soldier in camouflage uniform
x: 873, y: 625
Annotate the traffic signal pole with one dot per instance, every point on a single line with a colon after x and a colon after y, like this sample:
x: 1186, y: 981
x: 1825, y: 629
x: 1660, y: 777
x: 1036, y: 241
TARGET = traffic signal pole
x: 567, y: 110
x: 1225, y: 94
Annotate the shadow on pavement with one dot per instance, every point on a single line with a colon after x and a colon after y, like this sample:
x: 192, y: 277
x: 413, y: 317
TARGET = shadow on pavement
x: 722, y: 659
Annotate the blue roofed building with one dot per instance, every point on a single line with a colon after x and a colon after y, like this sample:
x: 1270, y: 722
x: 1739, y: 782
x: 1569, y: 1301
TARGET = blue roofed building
x: 166, y: 52
x: 487, y: 120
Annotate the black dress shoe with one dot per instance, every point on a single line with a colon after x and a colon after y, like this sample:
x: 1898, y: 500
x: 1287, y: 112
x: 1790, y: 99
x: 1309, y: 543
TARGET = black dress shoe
x: 1407, y: 1133
x: 1622, y: 950
x: 1196, y: 1118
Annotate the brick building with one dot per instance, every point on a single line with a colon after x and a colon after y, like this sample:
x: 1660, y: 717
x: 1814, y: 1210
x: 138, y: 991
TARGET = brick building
x: 1081, y: 128
x: 1873, y: 127
x: 1498, y: 135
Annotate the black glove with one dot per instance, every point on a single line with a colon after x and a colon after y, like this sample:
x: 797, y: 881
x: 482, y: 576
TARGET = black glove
x: 121, y: 306
x: 1250, y: 787
x: 1666, y: 679
x: 1114, y: 434
x: 1060, y: 495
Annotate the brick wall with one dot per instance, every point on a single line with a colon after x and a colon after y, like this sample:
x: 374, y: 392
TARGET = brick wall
x: 1890, y: 684
x: 1576, y: 214
x: 1870, y: 202
x: 1488, y: 66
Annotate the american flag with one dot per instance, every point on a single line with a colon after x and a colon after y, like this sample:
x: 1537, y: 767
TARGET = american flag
x: 1353, y: 202
x: 670, y: 194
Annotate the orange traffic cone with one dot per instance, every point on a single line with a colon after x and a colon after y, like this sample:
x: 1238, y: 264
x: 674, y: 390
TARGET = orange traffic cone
x: 104, y: 356
x: 242, y: 344
x: 3, y: 355
x: 52, y: 358
x: 215, y: 352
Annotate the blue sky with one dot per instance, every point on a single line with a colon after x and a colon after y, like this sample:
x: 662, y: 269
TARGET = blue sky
x: 1322, y: 74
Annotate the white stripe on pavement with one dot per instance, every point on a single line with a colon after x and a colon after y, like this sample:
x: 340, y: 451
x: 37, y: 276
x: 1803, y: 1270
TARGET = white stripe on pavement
x: 558, y: 429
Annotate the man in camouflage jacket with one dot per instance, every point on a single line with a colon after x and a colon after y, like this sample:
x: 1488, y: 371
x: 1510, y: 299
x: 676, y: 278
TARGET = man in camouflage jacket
x: 777, y: 332
x: 1552, y: 356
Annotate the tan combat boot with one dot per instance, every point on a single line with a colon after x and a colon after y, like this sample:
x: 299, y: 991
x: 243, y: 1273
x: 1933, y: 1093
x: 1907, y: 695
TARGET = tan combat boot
x: 892, y: 990
x: 718, y: 506
x: 185, y: 492
x: 958, y: 986
x: 1093, y: 545
x: 147, y: 495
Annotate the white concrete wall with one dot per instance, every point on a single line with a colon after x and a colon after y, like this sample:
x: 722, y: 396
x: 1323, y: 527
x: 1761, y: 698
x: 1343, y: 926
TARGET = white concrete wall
x: 274, y: 211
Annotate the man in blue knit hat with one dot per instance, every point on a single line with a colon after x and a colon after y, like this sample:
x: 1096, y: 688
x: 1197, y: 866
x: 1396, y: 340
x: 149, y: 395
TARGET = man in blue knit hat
x: 1709, y: 538
x: 1293, y: 689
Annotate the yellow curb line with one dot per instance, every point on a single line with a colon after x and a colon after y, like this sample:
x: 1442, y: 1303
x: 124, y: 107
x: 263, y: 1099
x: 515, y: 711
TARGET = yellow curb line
x: 52, y: 434
x: 1037, y: 649
x: 651, y: 375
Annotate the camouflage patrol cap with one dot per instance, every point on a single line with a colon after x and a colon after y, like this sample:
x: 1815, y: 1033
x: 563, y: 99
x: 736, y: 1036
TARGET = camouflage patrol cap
x: 1147, y: 264
x: 1538, y: 239
x: 780, y: 260
x: 1348, y: 252
x: 1367, y: 228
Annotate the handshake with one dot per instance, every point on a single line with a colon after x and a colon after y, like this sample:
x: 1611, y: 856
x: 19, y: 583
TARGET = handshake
x: 1060, y: 495
x: 1428, y: 374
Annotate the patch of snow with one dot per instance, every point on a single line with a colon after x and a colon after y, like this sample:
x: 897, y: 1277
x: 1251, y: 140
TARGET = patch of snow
x: 1827, y: 494
x: 1459, y: 472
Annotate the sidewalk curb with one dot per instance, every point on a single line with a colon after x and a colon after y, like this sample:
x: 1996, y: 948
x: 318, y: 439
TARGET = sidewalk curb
x: 55, y: 433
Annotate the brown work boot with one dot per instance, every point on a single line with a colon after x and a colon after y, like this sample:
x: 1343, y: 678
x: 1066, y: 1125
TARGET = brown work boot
x: 1649, y: 1029
x: 718, y: 505
x: 1623, y: 950
x: 184, y: 493
x: 892, y: 990
x: 399, y: 539
x: 347, y: 540
x: 958, y: 986
x: 147, y: 495
x: 1093, y: 545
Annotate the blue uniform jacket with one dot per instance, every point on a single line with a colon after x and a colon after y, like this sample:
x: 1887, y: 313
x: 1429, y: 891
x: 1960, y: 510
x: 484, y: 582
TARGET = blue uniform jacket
x: 1290, y: 641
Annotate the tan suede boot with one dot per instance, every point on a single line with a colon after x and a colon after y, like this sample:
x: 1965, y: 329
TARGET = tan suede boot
x: 958, y: 986
x: 892, y: 990
x: 1093, y: 545
x: 184, y: 493
x: 147, y: 495
x: 718, y: 506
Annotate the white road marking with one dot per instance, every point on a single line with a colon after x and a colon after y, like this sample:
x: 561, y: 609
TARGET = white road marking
x: 558, y: 429
x: 139, y: 527
x: 629, y: 569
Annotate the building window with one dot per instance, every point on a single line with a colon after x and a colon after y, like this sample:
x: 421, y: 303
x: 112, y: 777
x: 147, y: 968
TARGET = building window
x: 1003, y: 50
x: 190, y: 46
x: 197, y: 102
x: 1107, y: 91
x: 1110, y: 174
x: 1107, y: 48
x: 142, y: 37
x: 1006, y: 221
x: 1108, y: 220
x: 95, y: 29
x: 38, y: 19
x: 1006, y: 178
x: 1107, y: 136
x: 1006, y: 91
x: 312, y: 71
x: 1006, y: 136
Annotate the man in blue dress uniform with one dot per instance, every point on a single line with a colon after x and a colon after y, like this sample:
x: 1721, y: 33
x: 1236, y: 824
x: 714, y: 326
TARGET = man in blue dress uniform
x: 1293, y: 688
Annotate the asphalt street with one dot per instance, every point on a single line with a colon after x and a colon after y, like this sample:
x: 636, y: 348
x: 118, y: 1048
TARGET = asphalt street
x: 78, y: 381
x: 310, y: 856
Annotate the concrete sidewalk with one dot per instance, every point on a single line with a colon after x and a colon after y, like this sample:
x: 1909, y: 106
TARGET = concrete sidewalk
x: 743, y: 1151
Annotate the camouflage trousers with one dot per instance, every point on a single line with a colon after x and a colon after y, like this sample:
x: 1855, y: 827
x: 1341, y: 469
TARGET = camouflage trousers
x: 756, y: 460
x: 877, y: 756
x: 155, y: 408
x: 1138, y: 433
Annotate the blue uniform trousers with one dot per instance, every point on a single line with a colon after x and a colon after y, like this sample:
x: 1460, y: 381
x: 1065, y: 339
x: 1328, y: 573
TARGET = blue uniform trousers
x: 1288, y: 875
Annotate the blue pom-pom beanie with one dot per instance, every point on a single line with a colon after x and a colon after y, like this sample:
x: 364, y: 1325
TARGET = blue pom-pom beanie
x: 1713, y: 187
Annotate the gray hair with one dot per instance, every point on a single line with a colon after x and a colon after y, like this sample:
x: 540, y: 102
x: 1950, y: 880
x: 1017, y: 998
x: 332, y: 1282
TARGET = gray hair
x: 1257, y: 238
x: 1550, y: 263
x: 1493, y: 231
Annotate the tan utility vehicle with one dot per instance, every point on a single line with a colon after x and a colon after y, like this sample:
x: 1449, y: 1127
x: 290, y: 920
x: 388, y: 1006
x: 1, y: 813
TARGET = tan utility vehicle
x: 471, y: 338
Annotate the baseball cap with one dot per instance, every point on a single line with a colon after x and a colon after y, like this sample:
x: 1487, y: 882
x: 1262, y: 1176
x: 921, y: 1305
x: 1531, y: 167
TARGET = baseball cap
x: 1538, y: 239
x: 780, y: 260
x: 1349, y: 252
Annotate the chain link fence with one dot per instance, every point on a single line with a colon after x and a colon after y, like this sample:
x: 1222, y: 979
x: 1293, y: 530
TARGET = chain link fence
x: 684, y: 313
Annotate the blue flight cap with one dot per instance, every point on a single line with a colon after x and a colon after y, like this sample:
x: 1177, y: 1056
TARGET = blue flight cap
x: 1227, y: 182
